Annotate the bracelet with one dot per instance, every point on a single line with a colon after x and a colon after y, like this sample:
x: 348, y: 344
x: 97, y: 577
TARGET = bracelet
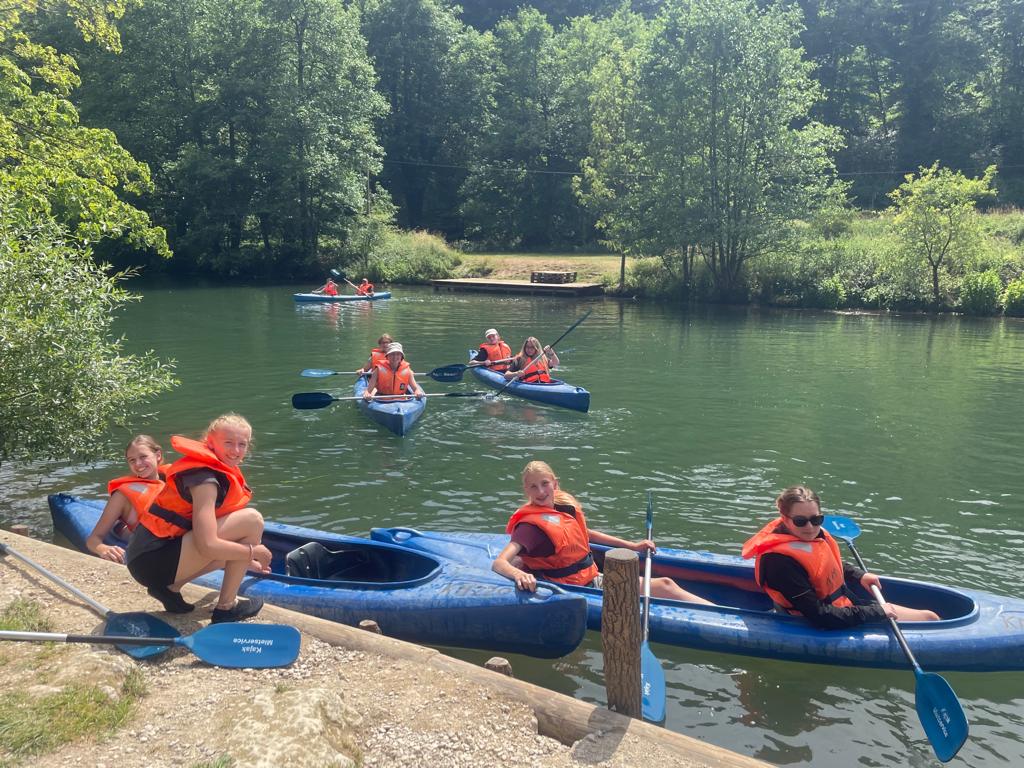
x: 251, y: 552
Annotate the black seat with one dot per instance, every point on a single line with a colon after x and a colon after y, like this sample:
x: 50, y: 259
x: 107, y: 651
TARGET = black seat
x: 315, y: 561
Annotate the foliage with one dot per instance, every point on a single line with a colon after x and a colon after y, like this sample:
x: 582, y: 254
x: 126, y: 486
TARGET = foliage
x: 1013, y: 298
x: 64, y: 380
x: 701, y: 138
x: 980, y: 293
x: 23, y: 615
x: 52, y: 165
x: 411, y: 257
x: 935, y: 219
x: 34, y: 725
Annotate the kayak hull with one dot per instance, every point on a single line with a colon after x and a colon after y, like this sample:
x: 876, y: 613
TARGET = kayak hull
x: 979, y: 631
x: 399, y: 416
x: 320, y: 298
x: 556, y: 393
x: 426, y: 599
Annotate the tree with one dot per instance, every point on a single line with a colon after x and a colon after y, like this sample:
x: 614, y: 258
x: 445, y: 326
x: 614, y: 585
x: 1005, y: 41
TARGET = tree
x: 935, y: 217
x: 64, y: 380
x: 705, y: 136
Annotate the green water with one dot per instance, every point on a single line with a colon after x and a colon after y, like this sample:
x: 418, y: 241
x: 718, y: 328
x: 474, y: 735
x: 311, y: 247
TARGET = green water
x: 910, y: 425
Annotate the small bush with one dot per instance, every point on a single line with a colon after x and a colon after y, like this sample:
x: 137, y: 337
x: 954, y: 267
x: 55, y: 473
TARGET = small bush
x: 979, y: 293
x: 1013, y: 298
x: 412, y: 257
x: 829, y: 293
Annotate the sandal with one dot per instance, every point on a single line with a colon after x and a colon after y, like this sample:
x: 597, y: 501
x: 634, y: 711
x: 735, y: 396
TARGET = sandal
x: 242, y: 609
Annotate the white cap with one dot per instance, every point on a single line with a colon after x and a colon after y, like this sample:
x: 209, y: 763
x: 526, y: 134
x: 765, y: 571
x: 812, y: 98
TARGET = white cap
x: 490, y: 331
x: 394, y: 346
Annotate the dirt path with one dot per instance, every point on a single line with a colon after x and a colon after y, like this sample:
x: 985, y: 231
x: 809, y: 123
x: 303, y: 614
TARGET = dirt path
x: 335, y: 706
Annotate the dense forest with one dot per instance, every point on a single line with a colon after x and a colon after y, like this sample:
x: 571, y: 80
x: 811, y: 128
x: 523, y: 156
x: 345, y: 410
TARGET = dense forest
x: 281, y: 136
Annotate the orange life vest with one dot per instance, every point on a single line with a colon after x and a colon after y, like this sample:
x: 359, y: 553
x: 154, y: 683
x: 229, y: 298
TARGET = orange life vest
x: 378, y: 357
x: 537, y: 371
x: 819, y: 557
x: 365, y: 289
x: 565, y: 525
x: 330, y: 289
x: 140, y: 491
x: 391, y: 382
x: 498, y: 351
x: 170, y: 514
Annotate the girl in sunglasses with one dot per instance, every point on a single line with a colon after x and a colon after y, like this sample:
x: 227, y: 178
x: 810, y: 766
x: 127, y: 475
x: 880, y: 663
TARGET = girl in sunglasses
x: 798, y: 565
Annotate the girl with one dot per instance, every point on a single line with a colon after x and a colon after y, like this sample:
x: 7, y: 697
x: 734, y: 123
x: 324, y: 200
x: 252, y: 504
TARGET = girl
x: 798, y: 565
x: 378, y: 355
x: 557, y: 546
x: 494, y: 352
x: 200, y: 522
x: 393, y: 377
x: 533, y: 364
x: 128, y: 495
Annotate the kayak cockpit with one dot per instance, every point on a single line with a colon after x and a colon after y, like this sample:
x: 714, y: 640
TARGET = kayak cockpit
x: 367, y: 565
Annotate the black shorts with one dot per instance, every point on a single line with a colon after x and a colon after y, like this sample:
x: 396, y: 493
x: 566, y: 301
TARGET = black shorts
x: 157, y: 567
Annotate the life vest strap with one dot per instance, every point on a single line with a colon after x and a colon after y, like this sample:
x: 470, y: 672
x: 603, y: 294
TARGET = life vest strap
x: 558, y: 573
x: 185, y: 523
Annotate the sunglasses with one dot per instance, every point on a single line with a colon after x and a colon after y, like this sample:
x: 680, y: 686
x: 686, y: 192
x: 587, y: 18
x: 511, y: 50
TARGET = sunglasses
x: 800, y: 520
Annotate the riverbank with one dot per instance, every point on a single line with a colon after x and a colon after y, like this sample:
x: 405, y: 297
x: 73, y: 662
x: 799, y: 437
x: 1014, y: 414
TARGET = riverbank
x: 352, y: 699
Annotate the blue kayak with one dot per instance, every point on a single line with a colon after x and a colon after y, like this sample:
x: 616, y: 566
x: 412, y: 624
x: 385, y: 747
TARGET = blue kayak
x: 397, y: 415
x: 553, y: 393
x: 978, y: 632
x: 413, y: 596
x: 325, y: 299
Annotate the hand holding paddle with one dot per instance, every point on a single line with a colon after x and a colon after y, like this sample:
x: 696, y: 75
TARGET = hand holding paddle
x: 311, y: 400
x: 938, y: 708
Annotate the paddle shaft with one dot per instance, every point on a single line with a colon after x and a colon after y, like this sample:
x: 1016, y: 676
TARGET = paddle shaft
x: 56, y: 637
x: 568, y: 330
x: 881, y: 601
x: 647, y: 566
x: 101, y: 610
x: 320, y: 373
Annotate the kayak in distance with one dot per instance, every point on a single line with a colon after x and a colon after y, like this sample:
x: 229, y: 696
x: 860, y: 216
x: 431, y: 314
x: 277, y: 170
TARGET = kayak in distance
x: 978, y: 631
x: 399, y: 416
x: 553, y: 393
x: 414, y: 596
x: 324, y: 298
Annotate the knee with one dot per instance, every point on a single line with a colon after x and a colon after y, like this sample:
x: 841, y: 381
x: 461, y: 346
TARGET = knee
x: 251, y: 520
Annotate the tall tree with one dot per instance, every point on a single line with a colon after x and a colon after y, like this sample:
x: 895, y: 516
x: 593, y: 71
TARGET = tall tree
x: 434, y: 72
x: 714, y: 111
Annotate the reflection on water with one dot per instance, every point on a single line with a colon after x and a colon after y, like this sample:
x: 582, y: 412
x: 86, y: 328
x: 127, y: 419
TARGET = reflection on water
x: 910, y: 425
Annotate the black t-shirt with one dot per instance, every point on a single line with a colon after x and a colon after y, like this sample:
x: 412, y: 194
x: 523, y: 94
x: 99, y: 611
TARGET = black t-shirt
x: 144, y: 540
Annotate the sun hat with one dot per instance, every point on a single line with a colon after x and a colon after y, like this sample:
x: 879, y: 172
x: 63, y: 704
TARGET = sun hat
x: 489, y: 331
x: 394, y: 346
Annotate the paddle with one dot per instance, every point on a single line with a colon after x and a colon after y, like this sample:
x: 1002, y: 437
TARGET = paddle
x: 255, y: 646
x: 542, y: 352
x: 341, y: 275
x: 652, y: 676
x: 938, y: 708
x: 450, y: 373
x: 117, y: 624
x: 310, y: 400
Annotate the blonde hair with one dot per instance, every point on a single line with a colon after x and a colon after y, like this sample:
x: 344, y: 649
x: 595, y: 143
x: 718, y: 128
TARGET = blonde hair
x: 794, y: 495
x: 535, y: 343
x: 145, y: 440
x: 230, y: 419
x: 384, y: 340
x: 543, y: 468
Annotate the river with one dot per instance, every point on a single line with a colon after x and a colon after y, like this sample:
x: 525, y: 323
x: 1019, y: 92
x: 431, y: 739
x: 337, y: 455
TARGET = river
x: 909, y: 424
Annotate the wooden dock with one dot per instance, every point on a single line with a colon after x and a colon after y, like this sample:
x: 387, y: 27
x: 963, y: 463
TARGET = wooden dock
x: 485, y: 285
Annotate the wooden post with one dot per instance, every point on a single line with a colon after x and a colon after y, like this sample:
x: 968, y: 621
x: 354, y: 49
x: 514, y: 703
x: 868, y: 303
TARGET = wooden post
x: 621, y: 633
x: 370, y: 626
x: 498, y: 664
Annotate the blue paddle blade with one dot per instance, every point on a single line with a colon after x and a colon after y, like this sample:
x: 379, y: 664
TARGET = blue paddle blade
x: 941, y: 714
x: 317, y: 373
x: 652, y: 686
x: 237, y: 645
x: 841, y: 527
x: 139, y: 624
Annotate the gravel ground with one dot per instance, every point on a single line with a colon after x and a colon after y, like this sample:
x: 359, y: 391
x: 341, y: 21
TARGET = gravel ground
x: 333, y: 707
